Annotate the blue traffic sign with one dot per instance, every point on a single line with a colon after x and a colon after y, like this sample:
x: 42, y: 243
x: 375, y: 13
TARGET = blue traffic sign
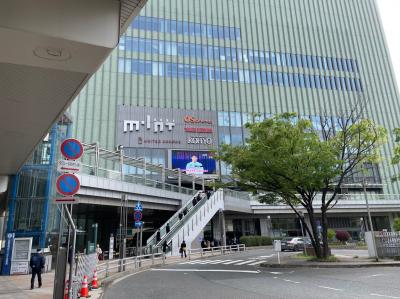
x: 138, y: 223
x: 67, y: 184
x: 71, y: 149
x: 137, y: 216
x: 138, y: 207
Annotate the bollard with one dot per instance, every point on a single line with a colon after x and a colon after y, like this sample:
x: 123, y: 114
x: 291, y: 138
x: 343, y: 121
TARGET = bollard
x: 152, y: 259
x: 163, y: 258
x: 107, y: 266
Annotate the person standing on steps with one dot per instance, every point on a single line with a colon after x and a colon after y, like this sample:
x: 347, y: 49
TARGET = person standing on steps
x: 164, y: 248
x: 167, y: 229
x: 37, y: 263
x: 182, y: 249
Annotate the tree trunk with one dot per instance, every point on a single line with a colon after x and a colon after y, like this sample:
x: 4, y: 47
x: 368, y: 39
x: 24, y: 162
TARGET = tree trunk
x: 324, y: 223
x: 314, y: 238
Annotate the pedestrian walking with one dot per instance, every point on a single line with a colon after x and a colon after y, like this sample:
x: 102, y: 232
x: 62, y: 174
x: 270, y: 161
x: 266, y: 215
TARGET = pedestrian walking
x: 99, y: 252
x: 164, y: 247
x: 167, y: 229
x: 182, y: 249
x: 158, y: 235
x: 37, y: 263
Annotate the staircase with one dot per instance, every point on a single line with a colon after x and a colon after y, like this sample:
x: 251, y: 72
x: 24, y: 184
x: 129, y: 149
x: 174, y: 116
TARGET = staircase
x: 192, y: 221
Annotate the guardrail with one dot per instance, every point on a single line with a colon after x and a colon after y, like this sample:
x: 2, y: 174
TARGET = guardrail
x: 221, y: 250
x: 134, y: 263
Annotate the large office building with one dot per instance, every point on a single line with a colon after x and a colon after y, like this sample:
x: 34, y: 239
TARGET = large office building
x: 188, y: 74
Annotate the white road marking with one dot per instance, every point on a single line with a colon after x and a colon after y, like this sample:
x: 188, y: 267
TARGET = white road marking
x: 216, y: 262
x: 276, y: 273
x: 228, y: 263
x: 257, y: 263
x: 288, y: 280
x: 245, y: 262
x: 266, y: 256
x: 329, y: 288
x: 385, y: 296
x: 206, y: 270
x: 375, y: 275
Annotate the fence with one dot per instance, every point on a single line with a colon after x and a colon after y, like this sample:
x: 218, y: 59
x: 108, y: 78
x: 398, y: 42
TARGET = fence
x: 387, y: 244
x: 134, y: 263
x: 220, y: 250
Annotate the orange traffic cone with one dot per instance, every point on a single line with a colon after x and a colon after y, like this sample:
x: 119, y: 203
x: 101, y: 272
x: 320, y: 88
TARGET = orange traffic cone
x: 94, y: 281
x: 66, y: 290
x: 85, y: 288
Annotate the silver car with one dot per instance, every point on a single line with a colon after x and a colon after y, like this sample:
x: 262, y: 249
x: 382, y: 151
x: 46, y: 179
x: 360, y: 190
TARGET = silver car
x: 294, y: 244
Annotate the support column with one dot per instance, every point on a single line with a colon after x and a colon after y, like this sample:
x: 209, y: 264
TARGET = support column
x: 222, y: 227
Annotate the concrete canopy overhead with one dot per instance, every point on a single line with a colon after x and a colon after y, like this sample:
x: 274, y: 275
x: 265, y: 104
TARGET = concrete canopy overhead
x: 49, y: 50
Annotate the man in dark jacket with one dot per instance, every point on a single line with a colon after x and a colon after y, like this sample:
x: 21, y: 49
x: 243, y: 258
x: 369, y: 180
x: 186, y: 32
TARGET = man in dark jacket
x: 37, y: 264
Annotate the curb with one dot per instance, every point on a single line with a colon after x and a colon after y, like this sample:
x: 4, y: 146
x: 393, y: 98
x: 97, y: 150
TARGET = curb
x: 332, y: 265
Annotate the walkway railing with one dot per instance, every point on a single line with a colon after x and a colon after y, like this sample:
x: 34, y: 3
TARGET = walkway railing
x: 219, y: 250
x: 134, y: 263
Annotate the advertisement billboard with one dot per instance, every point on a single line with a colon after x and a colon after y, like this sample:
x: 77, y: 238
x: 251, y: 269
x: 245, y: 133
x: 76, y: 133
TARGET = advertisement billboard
x: 146, y: 127
x: 194, y: 162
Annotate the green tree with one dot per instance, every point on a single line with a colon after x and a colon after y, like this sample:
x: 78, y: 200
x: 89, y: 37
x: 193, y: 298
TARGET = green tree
x: 331, y: 234
x: 285, y: 160
x: 396, y: 224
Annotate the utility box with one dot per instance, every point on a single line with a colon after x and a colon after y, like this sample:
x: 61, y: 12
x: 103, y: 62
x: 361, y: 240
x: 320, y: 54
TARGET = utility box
x: 277, y: 245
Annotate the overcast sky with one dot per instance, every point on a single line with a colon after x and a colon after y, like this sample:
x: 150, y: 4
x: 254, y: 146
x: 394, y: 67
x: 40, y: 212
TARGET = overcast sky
x: 390, y: 10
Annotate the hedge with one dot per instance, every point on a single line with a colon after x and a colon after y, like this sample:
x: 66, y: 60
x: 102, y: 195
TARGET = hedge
x: 255, y: 240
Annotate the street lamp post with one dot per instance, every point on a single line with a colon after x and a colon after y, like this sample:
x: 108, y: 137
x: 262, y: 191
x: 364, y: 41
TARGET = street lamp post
x: 371, y: 227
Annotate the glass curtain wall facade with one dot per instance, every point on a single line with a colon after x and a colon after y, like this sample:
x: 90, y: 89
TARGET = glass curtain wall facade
x: 238, y: 58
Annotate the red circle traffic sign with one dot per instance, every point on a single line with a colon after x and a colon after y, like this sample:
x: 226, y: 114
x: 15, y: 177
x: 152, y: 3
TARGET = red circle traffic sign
x: 137, y: 215
x: 71, y: 149
x: 68, y: 184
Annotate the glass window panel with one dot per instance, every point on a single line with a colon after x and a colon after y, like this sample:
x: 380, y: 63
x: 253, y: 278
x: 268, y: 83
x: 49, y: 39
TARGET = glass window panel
x: 307, y: 81
x: 263, y: 77
x: 333, y: 82
x: 273, y: 58
x: 294, y: 59
x: 349, y: 65
x: 135, y: 66
x: 353, y: 85
x: 296, y: 80
x: 135, y: 23
x: 232, y: 33
x: 316, y: 122
x: 258, y: 77
x: 179, y: 27
x: 344, y: 65
x: 192, y: 50
x: 198, y: 51
x: 223, y: 74
x: 154, y: 71
x: 323, y: 85
x: 317, y: 81
x: 229, y: 75
x: 214, y: 31
x: 330, y: 65
x: 335, y: 64
x: 312, y: 81
x: 302, y: 82
x: 173, y: 27
x: 285, y: 79
x: 241, y: 76
x: 304, y: 61
x: 226, y: 33
x: 204, y: 52
x: 278, y: 59
x: 252, y: 76
x: 348, y: 84
x: 221, y: 51
x: 199, y: 72
x: 181, y: 70
x: 309, y: 61
x: 204, y: 30
x: 338, y: 84
x: 235, y: 75
x: 246, y: 76
x: 314, y: 62
x: 339, y: 63
x: 267, y: 57
x: 154, y: 46
x: 155, y: 25
x: 261, y: 57
x: 250, y: 56
x: 299, y: 60
x: 206, y: 73
x: 193, y: 72
x: 328, y: 82
x: 161, y: 69
x: 283, y: 59
x: 291, y: 80
x: 289, y: 59
x: 191, y: 29
x: 148, y: 23
x: 237, y: 33
x: 320, y: 63
x: 209, y: 31
x: 121, y: 65
x: 149, y: 68
x: 186, y: 49
x: 325, y: 63
x: 217, y: 74
x: 197, y: 29
x: 269, y: 78
x: 233, y: 54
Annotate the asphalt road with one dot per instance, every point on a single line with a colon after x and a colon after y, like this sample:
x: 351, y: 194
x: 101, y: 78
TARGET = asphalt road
x: 239, y: 276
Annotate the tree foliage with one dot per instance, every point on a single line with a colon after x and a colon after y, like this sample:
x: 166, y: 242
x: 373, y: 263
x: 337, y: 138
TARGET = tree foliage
x: 286, y: 160
x: 396, y: 224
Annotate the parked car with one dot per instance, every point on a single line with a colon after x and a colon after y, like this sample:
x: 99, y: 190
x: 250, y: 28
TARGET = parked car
x: 295, y: 243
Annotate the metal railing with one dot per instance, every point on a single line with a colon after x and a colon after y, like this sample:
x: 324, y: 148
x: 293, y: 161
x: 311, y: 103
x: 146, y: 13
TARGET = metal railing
x: 135, y: 179
x: 387, y: 244
x: 134, y: 263
x: 221, y: 250
x: 174, y: 222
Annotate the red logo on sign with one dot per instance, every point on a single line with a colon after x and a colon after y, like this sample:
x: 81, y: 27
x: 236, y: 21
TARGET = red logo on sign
x: 199, y: 130
x: 194, y: 120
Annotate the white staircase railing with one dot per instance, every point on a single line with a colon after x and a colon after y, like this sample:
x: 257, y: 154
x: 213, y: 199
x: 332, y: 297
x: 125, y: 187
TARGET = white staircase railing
x: 192, y: 226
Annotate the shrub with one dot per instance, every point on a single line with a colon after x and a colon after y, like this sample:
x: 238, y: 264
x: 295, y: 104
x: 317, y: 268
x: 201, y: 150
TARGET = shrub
x: 396, y: 224
x: 342, y: 236
x: 331, y: 234
x: 255, y: 240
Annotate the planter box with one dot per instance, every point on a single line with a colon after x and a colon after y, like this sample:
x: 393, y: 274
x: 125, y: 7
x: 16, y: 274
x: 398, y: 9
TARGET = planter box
x: 310, y: 251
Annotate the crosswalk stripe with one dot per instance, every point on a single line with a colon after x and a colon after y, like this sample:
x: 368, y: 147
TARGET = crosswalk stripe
x: 256, y: 263
x: 232, y: 262
x: 245, y: 262
x: 218, y: 262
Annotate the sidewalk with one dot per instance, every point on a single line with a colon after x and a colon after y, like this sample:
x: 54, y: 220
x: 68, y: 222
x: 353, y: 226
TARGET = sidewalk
x: 19, y: 287
x: 344, y: 260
